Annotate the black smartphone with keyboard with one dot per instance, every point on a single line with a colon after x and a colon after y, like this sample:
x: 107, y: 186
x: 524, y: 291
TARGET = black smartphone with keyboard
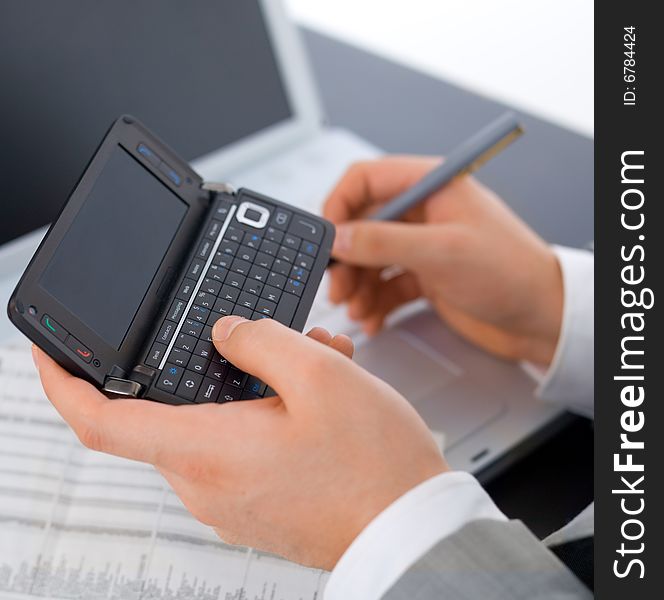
x: 145, y: 257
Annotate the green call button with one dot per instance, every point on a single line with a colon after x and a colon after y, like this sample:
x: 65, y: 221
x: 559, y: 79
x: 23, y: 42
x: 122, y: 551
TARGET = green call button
x: 54, y: 327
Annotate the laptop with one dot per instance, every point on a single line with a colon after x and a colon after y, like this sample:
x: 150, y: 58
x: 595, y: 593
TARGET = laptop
x: 229, y: 86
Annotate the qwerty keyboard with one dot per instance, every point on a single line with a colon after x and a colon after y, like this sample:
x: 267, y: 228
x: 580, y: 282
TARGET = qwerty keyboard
x: 237, y: 270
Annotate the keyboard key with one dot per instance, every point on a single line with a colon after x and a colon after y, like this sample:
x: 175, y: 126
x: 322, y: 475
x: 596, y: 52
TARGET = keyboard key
x: 247, y: 254
x: 228, y: 247
x: 253, y: 287
x: 276, y: 280
x: 224, y: 307
x: 266, y: 307
x: 281, y: 218
x: 245, y: 395
x: 240, y: 266
x: 294, y: 287
x: 274, y: 235
x: 195, y: 268
x: 287, y: 254
x: 309, y: 248
x: 206, y: 334
x: 191, y: 327
x: 264, y: 260
x: 209, y: 391
x: 247, y: 300
x: 187, y: 286
x: 299, y: 274
x: 214, y: 317
x: 179, y: 357
x: 204, y: 249
x: 235, y: 280
x: 170, y: 377
x: 271, y: 293
x: 256, y: 316
x: 258, y: 273
x: 270, y: 248
x: 286, y: 309
x: 307, y: 229
x: 222, y: 260
x: 176, y: 310
x: 198, y: 364
x: 186, y: 342
x: 217, y: 371
x: 236, y: 378
x: 234, y: 234
x: 282, y: 267
x: 210, y: 286
x: 242, y: 311
x: 204, y: 349
x: 166, y: 332
x: 205, y: 300
x: 252, y: 240
x: 155, y: 355
x: 229, y: 293
x: 199, y: 313
x: 213, y: 229
x: 221, y: 211
x: 304, y: 261
x: 229, y: 394
x: 217, y: 273
x: 291, y: 241
x: 189, y: 385
x: 218, y: 358
x: 255, y: 385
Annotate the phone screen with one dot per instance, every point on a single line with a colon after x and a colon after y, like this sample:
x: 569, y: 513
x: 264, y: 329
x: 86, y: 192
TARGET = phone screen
x: 108, y: 258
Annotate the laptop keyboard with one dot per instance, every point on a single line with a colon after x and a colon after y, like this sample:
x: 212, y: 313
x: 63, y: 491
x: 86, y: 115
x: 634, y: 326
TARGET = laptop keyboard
x: 255, y: 273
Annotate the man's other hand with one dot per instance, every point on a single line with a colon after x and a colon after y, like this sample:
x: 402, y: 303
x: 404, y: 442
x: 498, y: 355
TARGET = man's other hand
x: 489, y: 276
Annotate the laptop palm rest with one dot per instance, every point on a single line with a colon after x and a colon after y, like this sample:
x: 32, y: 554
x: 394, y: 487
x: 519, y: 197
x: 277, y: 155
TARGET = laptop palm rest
x: 442, y: 392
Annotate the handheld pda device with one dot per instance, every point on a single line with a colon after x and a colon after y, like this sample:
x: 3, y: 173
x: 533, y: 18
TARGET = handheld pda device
x: 145, y: 257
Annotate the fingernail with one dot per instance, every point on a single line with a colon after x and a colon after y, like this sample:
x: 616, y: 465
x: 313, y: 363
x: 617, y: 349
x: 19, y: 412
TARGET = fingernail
x: 35, y: 356
x: 224, y: 327
x: 343, y: 238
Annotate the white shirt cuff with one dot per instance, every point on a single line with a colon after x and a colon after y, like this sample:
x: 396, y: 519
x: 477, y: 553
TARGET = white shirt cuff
x: 405, y: 531
x: 570, y: 379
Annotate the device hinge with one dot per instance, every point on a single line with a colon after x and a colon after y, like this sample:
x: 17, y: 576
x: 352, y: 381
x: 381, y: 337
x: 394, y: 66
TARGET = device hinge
x: 122, y: 387
x: 219, y: 187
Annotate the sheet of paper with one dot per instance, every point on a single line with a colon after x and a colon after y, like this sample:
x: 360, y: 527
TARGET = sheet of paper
x: 80, y: 524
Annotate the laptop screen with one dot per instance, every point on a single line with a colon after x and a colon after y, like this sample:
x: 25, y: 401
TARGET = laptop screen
x: 201, y: 74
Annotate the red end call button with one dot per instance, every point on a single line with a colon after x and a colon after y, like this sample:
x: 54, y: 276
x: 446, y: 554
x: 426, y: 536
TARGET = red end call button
x: 83, y: 352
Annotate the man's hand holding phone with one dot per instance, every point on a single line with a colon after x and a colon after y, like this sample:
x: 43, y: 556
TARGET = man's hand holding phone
x: 299, y: 474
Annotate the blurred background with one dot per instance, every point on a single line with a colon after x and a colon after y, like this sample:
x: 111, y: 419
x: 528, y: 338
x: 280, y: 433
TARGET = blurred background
x: 535, y: 56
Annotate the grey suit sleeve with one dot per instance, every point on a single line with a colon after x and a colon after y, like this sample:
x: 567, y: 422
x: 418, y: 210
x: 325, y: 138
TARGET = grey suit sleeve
x: 489, y: 560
